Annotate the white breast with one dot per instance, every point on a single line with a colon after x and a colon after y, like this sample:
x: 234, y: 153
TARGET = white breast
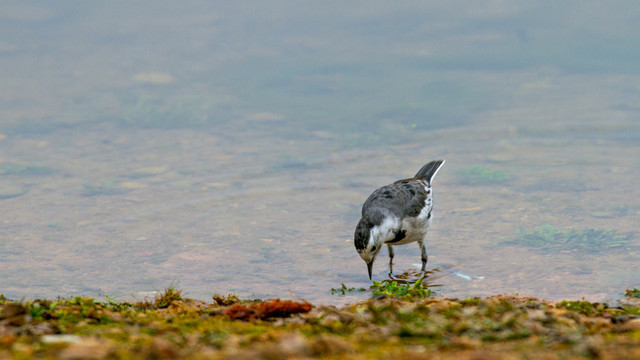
x: 386, y: 230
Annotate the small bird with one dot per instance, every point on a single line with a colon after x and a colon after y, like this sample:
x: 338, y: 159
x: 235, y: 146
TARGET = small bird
x: 397, y: 214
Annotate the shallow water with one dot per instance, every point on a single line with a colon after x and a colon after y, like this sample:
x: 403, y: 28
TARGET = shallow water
x: 229, y: 149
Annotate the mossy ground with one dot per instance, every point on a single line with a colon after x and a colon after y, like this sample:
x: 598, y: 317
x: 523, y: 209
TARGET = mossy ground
x: 172, y: 326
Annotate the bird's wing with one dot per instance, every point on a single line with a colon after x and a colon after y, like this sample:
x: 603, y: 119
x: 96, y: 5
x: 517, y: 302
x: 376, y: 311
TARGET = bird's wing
x: 419, y: 194
x: 400, y: 199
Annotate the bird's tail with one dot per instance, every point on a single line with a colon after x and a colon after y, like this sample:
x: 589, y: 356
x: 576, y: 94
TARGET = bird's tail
x: 427, y: 172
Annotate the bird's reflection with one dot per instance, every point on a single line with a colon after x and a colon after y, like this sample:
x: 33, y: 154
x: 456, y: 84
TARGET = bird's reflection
x: 411, y: 276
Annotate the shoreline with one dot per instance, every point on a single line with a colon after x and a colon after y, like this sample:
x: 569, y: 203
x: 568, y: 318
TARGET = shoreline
x: 171, y: 326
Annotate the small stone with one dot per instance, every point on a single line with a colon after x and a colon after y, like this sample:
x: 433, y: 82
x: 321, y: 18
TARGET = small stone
x: 328, y: 345
x: 24, y: 349
x: 631, y: 325
x: 13, y: 315
x: 42, y: 328
x: 11, y: 310
x: 294, y: 344
x: 60, y: 339
x: 7, y: 338
x: 163, y: 349
x: 465, y: 342
x: 90, y: 349
x: 630, y: 301
x: 538, y: 315
x: 288, y: 346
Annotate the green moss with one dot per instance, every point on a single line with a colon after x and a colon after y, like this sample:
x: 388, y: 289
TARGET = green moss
x: 547, y: 237
x: 471, y: 301
x: 500, y: 326
x: 113, y: 305
x: 630, y: 310
x: 584, y: 307
x: 230, y: 299
x: 41, y: 309
x: 163, y: 300
x: 392, y: 288
x: 343, y: 290
x: 634, y: 293
x: 480, y: 175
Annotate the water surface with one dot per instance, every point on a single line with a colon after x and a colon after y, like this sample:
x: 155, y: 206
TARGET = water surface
x: 228, y: 148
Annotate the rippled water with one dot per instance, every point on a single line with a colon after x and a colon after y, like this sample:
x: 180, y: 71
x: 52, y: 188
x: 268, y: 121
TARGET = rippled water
x: 228, y: 148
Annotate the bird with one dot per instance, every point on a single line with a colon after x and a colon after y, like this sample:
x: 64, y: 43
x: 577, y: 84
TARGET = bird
x: 397, y: 214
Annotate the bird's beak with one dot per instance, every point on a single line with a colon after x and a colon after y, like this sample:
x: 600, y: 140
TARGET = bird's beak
x: 370, y: 267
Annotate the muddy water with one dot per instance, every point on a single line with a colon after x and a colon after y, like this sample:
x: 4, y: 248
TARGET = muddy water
x: 245, y: 172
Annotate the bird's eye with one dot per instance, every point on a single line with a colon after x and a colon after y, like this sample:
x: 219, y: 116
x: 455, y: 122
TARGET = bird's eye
x: 374, y: 248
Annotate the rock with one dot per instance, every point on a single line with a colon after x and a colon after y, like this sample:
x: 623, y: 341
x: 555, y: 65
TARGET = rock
x: 631, y: 325
x: 163, y: 349
x: 60, y: 339
x: 291, y: 345
x: 90, y: 349
x: 7, y: 338
x: 42, y: 328
x: 630, y: 301
x: 13, y: 315
x: 11, y: 310
x: 328, y: 345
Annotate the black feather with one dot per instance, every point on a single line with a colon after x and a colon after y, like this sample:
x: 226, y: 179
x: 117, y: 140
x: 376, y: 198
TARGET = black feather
x: 399, y: 236
x: 425, y: 173
x: 428, y: 171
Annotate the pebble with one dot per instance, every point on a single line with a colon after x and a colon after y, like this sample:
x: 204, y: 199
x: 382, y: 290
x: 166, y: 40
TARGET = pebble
x: 11, y: 310
x: 60, y: 339
x: 87, y: 349
x: 330, y: 345
x: 631, y: 325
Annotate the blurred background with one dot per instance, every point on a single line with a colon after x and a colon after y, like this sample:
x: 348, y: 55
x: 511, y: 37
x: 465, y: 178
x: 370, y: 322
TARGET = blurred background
x: 227, y: 147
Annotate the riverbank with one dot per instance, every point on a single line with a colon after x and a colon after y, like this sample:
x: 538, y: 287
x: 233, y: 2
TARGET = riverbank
x: 170, y: 326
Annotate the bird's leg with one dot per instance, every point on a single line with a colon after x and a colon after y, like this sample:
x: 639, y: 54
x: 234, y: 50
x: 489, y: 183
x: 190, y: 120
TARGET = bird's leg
x: 424, y: 254
x: 390, y: 259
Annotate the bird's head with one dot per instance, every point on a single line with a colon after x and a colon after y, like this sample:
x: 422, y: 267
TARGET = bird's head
x: 365, y: 244
x: 371, y: 233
